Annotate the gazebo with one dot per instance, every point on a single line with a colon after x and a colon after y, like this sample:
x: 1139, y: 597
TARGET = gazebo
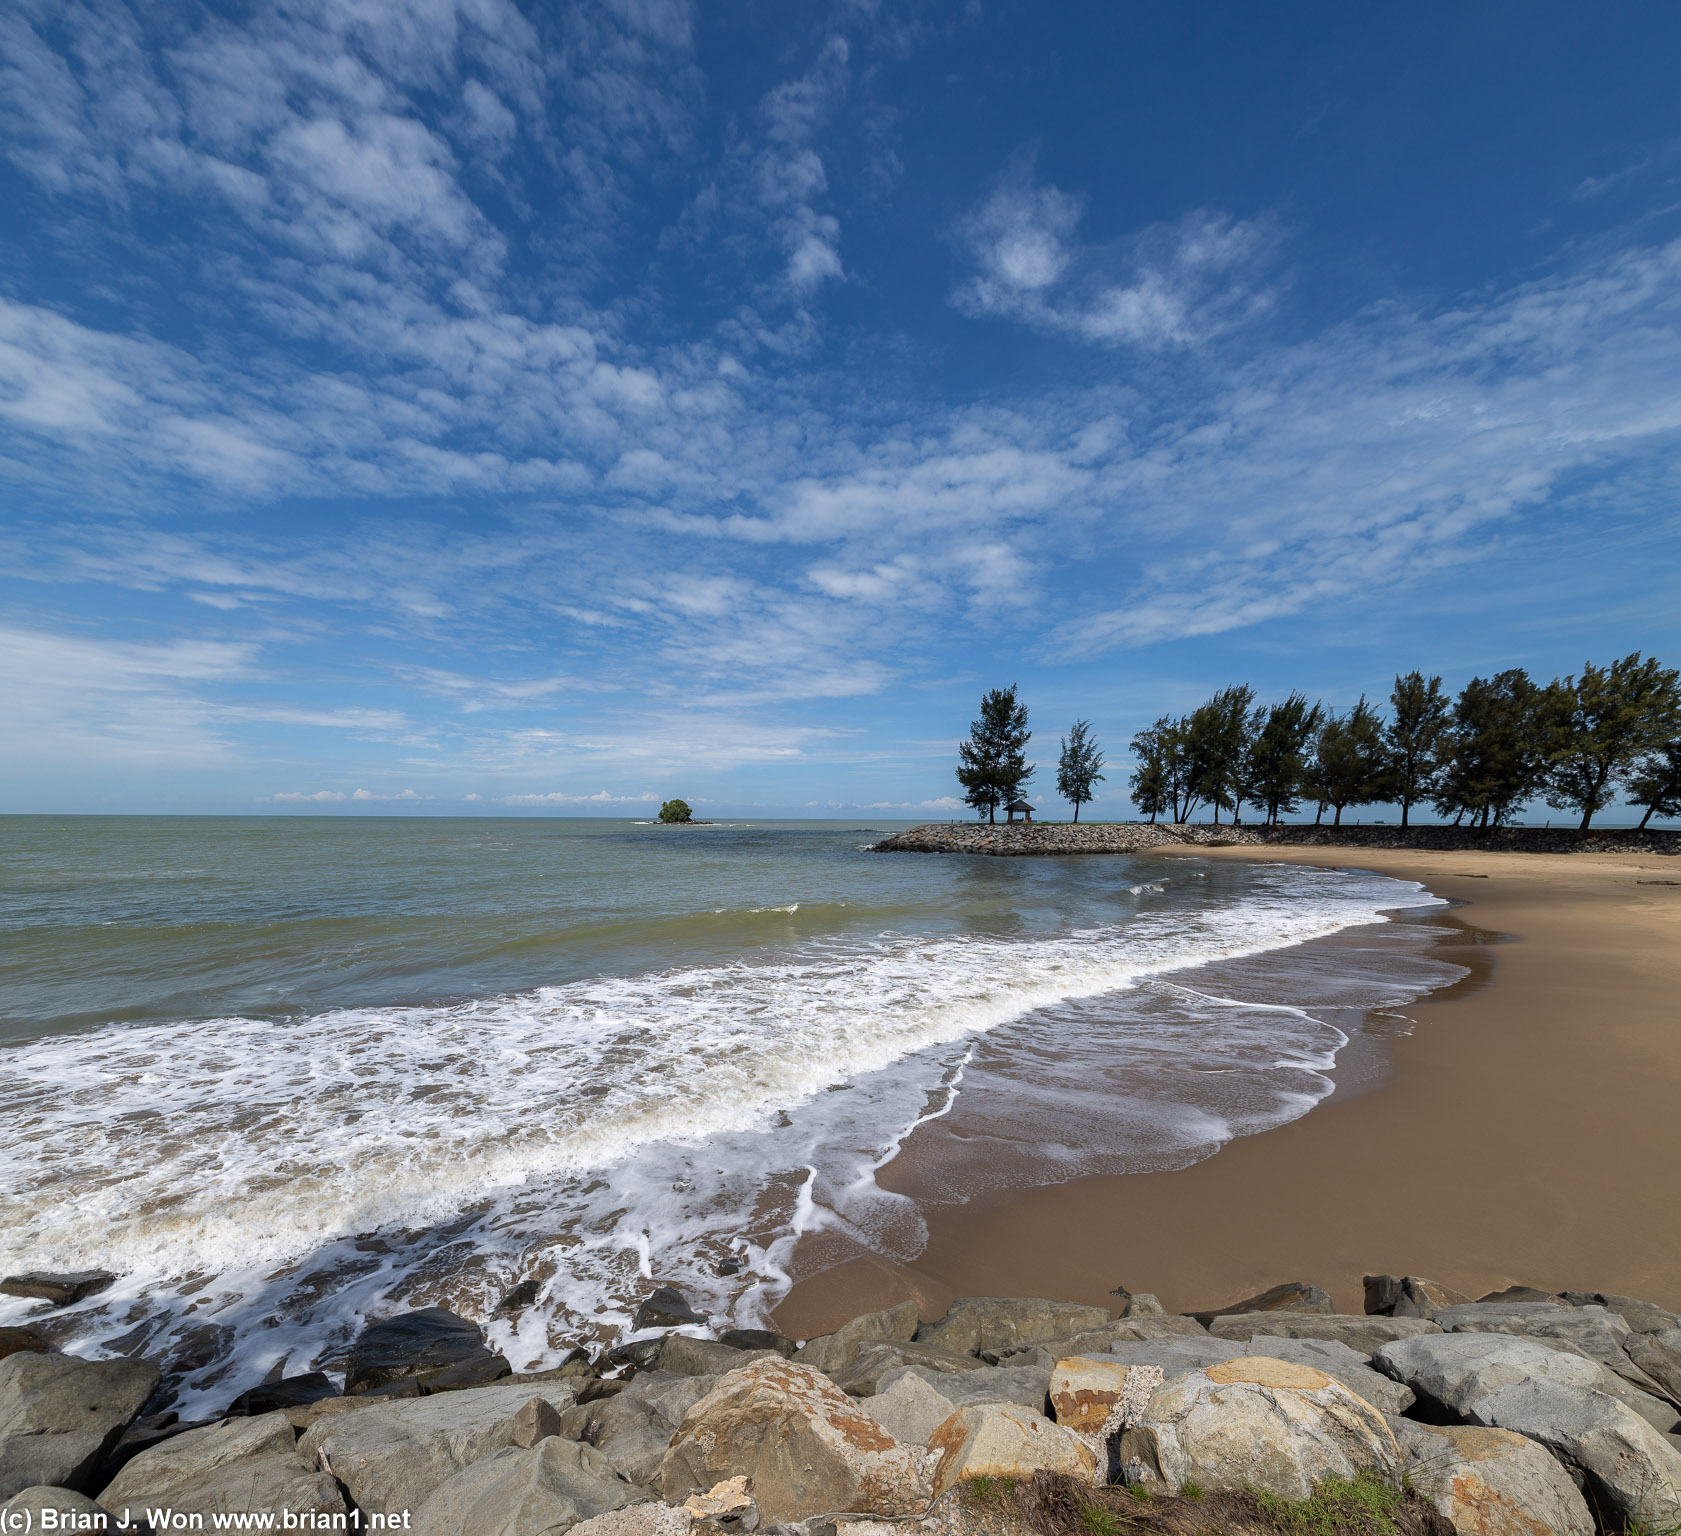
x: 1022, y: 806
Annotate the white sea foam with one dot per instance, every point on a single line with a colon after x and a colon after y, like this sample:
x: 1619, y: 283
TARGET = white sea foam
x: 594, y: 1134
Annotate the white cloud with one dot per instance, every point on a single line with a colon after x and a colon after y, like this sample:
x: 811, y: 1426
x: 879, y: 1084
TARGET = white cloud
x: 599, y: 798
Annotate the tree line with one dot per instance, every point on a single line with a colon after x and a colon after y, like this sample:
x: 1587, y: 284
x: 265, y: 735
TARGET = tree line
x: 1577, y: 742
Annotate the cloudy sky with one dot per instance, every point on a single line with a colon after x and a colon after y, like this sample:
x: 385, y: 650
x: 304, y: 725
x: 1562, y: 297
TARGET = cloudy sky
x: 461, y: 404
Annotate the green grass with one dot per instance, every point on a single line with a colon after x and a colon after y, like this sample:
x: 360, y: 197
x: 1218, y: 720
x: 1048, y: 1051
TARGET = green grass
x: 1191, y: 1490
x: 984, y: 1489
x: 1338, y: 1505
x: 1099, y: 1521
x: 1139, y: 1491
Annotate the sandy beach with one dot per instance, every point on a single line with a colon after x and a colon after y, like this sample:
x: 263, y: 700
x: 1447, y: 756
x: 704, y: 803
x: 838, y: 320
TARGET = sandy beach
x: 1527, y: 1131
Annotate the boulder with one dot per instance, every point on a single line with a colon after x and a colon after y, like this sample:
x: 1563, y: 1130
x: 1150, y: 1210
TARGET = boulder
x: 288, y: 1392
x: 543, y: 1491
x: 155, y: 1473
x: 683, y: 1356
x: 1167, y: 1326
x: 1176, y: 1357
x: 1641, y: 1316
x: 1451, y: 1371
x: 806, y: 1446
x: 863, y: 1377
x: 1384, y: 1393
x: 1291, y: 1296
x: 1005, y: 1440
x: 61, y: 1290
x: 417, y: 1344
x: 913, y: 1401
x: 1492, y: 1482
x: 63, y: 1509
x: 1630, y: 1473
x: 279, y: 1484
x: 830, y: 1351
x: 634, y: 1427
x: 1524, y: 1293
x: 974, y: 1324
x: 13, y: 1340
x: 1256, y: 1423
x: 666, y: 1308
x: 757, y: 1338
x: 1658, y: 1355
x: 646, y: 1519
x: 1363, y: 1335
x: 1407, y: 1296
x: 1139, y: 1304
x: 60, y: 1414
x: 393, y: 1455
x: 1083, y: 1391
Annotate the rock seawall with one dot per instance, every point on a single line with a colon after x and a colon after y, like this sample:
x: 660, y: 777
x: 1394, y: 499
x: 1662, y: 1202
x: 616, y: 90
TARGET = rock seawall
x: 1019, y: 839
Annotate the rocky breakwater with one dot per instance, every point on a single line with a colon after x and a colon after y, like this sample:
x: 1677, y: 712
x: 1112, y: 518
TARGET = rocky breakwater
x: 1520, y: 1414
x: 1024, y: 839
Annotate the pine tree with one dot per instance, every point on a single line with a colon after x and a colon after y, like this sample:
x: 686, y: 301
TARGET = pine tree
x: 1079, y: 767
x: 992, y: 763
x: 1351, y: 763
x: 1216, y: 746
x: 1496, y: 754
x: 1154, y: 784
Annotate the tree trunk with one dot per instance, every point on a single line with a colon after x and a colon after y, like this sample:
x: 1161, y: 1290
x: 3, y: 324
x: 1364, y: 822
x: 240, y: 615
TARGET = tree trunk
x: 1587, y: 816
x: 1336, y: 821
x: 1646, y: 818
x: 1319, y: 813
x: 1076, y: 813
x: 1406, y: 805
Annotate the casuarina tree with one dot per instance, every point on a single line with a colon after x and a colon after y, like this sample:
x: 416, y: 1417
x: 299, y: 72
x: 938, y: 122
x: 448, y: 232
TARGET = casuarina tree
x: 1216, y: 744
x: 1601, y: 724
x: 1656, y: 783
x: 1079, y: 767
x: 1350, y: 767
x: 1415, y: 738
x: 1497, y: 756
x: 1278, y: 756
x: 992, y: 764
x: 1156, y: 782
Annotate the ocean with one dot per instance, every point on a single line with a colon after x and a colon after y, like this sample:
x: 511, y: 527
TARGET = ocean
x: 284, y: 1076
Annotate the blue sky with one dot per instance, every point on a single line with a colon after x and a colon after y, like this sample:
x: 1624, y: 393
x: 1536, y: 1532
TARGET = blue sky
x: 461, y: 405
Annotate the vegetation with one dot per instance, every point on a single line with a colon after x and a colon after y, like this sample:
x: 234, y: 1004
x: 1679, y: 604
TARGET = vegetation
x: 1079, y: 767
x: 992, y: 764
x: 1579, y: 742
x: 676, y: 810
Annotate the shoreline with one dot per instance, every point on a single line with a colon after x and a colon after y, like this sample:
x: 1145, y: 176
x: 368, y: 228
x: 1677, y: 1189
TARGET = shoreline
x: 1524, y: 1132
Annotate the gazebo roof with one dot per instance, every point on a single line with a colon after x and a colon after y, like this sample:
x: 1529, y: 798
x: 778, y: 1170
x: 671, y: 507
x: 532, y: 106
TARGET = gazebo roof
x: 1018, y: 805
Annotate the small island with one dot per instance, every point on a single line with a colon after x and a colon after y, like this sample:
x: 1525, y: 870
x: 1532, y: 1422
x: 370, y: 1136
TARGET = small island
x: 677, y: 813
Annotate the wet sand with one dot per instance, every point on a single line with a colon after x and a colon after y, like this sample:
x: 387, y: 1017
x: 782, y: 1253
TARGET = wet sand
x: 1527, y: 1131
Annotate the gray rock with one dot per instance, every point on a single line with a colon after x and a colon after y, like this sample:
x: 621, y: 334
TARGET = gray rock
x: 756, y: 1339
x: 1291, y: 1296
x: 634, y: 1427
x: 413, y: 1344
x: 909, y: 1393
x: 996, y: 1323
x: 1407, y: 1296
x: 65, y: 1511
x: 279, y: 1484
x: 1143, y: 1304
x: 1658, y: 1355
x: 666, y: 1308
x: 1450, y: 1371
x: 1628, y: 1470
x: 683, y: 1356
x: 1005, y: 1440
x: 60, y: 1414
x: 393, y: 1456
x: 1176, y: 1357
x: 289, y: 1392
x: 910, y: 1407
x: 14, y: 1339
x: 1491, y: 1482
x: 1641, y: 1316
x: 874, y: 1361
x: 1167, y: 1326
x: 61, y: 1290
x: 543, y: 1491
x: 1344, y: 1364
x: 155, y: 1473
x: 830, y: 1351
x: 1363, y: 1335
x: 1524, y: 1293
x: 648, y: 1519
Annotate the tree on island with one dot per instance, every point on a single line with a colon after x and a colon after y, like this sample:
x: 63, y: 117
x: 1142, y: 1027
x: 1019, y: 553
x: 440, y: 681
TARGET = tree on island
x: 1415, y: 738
x: 1079, y: 766
x: 676, y: 810
x: 992, y: 764
x: 1599, y: 725
x: 1656, y: 783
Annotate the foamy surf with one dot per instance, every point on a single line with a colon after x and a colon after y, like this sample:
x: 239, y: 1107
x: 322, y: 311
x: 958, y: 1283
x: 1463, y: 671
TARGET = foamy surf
x: 263, y: 1186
